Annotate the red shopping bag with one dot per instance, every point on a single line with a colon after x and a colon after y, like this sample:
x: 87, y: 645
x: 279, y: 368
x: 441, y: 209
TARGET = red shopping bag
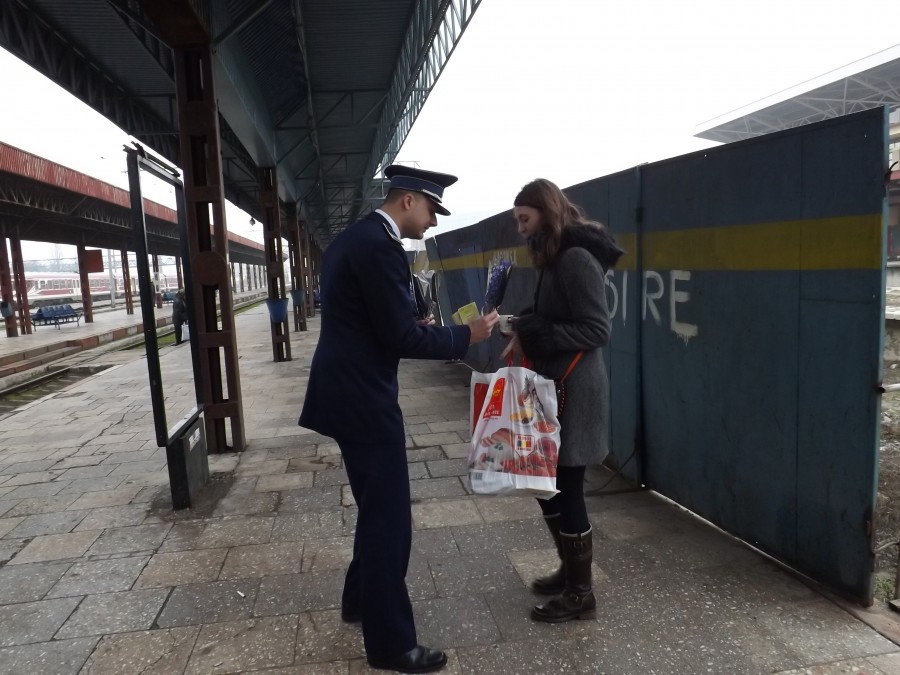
x: 515, y: 433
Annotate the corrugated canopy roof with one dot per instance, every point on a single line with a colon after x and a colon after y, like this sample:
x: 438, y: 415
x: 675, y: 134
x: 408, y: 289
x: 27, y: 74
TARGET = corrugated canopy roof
x: 326, y: 91
x: 867, y: 83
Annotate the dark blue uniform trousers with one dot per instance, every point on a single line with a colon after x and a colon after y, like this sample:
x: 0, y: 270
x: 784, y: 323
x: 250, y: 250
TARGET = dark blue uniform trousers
x: 376, y: 579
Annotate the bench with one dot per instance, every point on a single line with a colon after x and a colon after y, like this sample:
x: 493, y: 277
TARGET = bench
x: 55, y: 315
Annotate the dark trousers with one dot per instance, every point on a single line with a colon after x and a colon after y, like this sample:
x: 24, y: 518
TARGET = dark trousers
x: 376, y: 578
x: 178, y: 326
x: 569, y: 503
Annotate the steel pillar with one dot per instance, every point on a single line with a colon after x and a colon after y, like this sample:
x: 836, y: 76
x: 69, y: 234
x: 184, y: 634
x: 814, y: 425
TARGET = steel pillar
x: 178, y: 274
x: 198, y: 123
x: 111, y: 279
x: 295, y: 253
x: 241, y: 275
x: 315, y: 264
x: 268, y: 194
x: 8, y: 314
x: 126, y: 283
x: 19, y: 285
x: 87, y: 301
x: 305, y: 270
x: 157, y: 293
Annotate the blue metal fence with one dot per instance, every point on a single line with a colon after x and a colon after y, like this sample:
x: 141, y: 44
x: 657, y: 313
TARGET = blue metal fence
x: 747, y: 333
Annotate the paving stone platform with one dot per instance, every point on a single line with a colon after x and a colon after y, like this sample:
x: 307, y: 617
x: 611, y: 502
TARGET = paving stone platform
x: 98, y: 574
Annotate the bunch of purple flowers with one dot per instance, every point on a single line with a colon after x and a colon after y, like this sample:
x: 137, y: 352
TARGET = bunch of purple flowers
x: 497, y: 279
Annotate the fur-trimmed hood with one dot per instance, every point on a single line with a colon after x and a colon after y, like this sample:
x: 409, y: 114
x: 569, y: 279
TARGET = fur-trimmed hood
x: 596, y: 240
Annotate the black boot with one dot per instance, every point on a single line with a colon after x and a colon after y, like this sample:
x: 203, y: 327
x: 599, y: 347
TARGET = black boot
x: 577, y: 600
x: 552, y: 584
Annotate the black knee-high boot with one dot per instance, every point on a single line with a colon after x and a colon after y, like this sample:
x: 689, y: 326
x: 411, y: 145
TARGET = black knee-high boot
x: 555, y: 583
x: 577, y: 600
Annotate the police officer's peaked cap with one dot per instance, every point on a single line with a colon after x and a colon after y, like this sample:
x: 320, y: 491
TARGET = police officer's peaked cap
x: 429, y: 183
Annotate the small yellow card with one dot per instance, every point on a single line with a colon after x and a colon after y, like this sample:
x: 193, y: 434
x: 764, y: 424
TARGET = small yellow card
x: 468, y: 313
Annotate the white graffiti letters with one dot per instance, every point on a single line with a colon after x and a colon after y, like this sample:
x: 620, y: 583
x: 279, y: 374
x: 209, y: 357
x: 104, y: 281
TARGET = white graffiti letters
x: 652, y: 298
x: 654, y: 280
x: 683, y: 330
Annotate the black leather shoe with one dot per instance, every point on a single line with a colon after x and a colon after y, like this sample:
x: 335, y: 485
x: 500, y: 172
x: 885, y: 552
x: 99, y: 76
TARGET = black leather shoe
x: 419, y: 659
x: 350, y: 616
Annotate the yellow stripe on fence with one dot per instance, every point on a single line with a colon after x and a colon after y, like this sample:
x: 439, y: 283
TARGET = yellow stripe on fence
x: 846, y: 242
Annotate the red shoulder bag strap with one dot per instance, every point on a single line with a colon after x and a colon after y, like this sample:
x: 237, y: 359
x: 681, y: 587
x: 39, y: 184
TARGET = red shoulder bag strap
x: 571, y: 366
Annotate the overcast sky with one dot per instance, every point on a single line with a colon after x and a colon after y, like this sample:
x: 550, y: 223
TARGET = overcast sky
x: 563, y: 89
x: 570, y: 90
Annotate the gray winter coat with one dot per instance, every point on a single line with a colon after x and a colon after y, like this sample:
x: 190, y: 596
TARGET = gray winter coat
x: 570, y: 315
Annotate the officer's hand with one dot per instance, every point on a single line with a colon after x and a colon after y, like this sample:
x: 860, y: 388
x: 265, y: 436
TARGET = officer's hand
x: 482, y: 326
x: 427, y: 321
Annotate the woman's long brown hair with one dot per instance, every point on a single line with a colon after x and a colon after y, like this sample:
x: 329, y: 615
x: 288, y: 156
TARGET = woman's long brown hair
x: 556, y: 213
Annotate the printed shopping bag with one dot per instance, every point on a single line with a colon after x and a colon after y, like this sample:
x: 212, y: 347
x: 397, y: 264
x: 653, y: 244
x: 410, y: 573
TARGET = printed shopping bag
x: 478, y: 389
x: 515, y: 437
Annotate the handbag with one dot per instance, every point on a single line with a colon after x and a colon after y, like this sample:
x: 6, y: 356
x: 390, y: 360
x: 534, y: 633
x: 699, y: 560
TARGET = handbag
x: 185, y: 332
x: 561, y: 386
x: 515, y: 437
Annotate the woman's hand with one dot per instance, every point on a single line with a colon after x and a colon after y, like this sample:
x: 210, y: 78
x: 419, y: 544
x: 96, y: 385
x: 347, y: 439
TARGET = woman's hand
x: 513, y: 349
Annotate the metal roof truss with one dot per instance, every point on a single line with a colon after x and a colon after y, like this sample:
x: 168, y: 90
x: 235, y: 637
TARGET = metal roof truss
x: 326, y: 116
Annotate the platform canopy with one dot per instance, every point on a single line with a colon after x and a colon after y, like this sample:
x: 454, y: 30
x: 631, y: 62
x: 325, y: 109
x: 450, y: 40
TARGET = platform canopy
x: 868, y: 83
x: 44, y: 201
x: 324, y: 90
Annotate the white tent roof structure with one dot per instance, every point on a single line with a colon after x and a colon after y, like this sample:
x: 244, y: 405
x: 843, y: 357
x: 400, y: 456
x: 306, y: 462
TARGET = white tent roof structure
x: 867, y: 83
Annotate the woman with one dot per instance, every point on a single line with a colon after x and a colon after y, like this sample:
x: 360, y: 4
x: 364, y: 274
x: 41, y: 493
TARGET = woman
x: 179, y: 314
x: 569, y: 317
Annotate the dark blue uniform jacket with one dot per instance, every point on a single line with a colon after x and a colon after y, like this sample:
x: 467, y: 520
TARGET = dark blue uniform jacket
x: 368, y: 325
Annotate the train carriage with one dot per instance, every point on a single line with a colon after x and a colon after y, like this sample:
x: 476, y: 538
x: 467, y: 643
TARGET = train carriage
x: 50, y: 288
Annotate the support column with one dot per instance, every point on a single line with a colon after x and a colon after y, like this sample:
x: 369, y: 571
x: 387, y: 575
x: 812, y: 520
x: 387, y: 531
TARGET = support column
x: 178, y: 273
x: 157, y: 294
x: 111, y: 278
x: 307, y: 270
x: 204, y: 192
x: 241, y: 272
x: 20, y: 286
x: 126, y: 283
x: 295, y: 249
x: 87, y: 302
x: 268, y: 197
x: 315, y: 258
x: 8, y: 315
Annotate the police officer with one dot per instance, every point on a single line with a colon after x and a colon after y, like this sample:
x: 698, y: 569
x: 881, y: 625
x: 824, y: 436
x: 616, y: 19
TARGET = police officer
x: 369, y: 324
